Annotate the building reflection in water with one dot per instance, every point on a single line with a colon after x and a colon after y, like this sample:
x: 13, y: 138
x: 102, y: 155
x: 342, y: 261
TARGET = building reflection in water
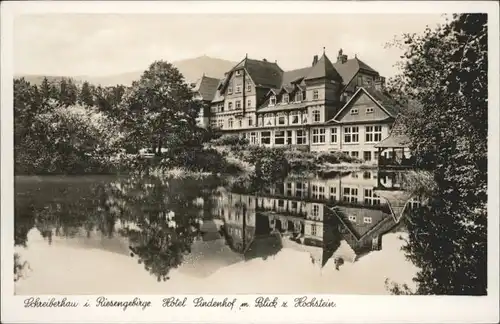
x: 343, y: 217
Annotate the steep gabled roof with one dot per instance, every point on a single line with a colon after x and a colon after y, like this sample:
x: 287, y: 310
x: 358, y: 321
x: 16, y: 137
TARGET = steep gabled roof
x: 350, y: 68
x: 263, y: 73
x: 363, y: 66
x: 323, y: 69
x: 379, y: 98
x: 206, y: 87
x: 384, y: 100
x: 218, y: 96
x: 295, y: 76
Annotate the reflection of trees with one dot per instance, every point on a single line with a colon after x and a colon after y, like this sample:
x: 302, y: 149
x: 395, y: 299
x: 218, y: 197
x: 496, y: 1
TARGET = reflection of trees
x: 158, y: 216
x: 20, y: 267
x: 165, y: 217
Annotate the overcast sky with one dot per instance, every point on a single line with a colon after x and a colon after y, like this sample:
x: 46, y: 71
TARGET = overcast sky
x: 104, y: 44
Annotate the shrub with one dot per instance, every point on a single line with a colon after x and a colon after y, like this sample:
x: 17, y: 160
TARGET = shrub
x: 335, y: 158
x: 271, y: 165
x: 229, y: 140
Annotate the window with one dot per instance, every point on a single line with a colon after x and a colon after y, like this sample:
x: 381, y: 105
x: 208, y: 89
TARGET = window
x: 333, y: 193
x: 294, y: 117
x: 367, y: 175
x: 265, y: 137
x: 315, y: 210
x: 370, y: 198
x: 253, y: 138
x: 285, y: 98
x: 354, y: 111
x: 318, y: 192
x: 355, y: 154
x: 367, y: 220
x: 333, y: 132
x: 298, y: 96
x: 316, y: 116
x: 369, y: 110
x: 240, y: 123
x: 220, y: 123
x: 229, y: 106
x: 375, y: 155
x: 314, y: 229
x: 272, y: 100
x: 249, y: 88
x: 367, y: 155
x: 279, y: 137
x: 281, y: 203
x: 373, y: 134
x: 238, y: 72
x: 352, y: 218
x: 221, y: 107
x: 351, y: 134
x: 315, y: 95
x: 360, y: 80
x: 238, y: 89
x: 289, y: 137
x: 213, y: 123
x: 238, y: 104
x: 269, y: 119
x: 300, y: 137
x: 318, y: 136
x: 250, y: 121
x: 281, y: 120
x: 289, y: 189
x: 300, y: 189
x: 304, y: 95
x: 350, y: 195
x: 249, y: 103
x: 229, y: 90
x: 230, y: 123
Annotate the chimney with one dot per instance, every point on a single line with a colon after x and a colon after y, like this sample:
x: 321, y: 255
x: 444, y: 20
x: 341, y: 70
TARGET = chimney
x: 264, y: 60
x: 315, y: 60
x: 341, y: 58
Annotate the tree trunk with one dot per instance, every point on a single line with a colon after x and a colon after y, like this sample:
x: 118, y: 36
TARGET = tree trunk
x: 158, y: 153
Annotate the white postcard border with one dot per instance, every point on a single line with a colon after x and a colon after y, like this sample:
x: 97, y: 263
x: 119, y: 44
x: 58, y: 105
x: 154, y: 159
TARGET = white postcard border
x: 350, y: 308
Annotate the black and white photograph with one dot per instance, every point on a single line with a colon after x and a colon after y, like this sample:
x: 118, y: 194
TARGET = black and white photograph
x: 250, y: 153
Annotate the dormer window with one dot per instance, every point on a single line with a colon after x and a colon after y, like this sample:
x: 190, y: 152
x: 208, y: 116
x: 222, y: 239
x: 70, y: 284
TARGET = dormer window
x: 238, y: 73
x: 285, y: 98
x: 369, y: 110
x: 354, y: 111
x: 272, y: 100
x: 298, y: 96
x: 249, y: 88
x: 360, y: 80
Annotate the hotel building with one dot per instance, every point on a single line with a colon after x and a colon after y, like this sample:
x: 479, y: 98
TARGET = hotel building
x: 326, y: 106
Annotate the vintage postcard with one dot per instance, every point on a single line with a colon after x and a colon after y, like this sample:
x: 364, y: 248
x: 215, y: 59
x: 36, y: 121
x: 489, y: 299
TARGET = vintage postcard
x: 249, y: 162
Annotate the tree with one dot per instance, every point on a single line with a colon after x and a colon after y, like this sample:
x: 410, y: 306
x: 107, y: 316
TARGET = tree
x: 160, y: 111
x: 85, y: 97
x: 68, y: 93
x: 445, y: 71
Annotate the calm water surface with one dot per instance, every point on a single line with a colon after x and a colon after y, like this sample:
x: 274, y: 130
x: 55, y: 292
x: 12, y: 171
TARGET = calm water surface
x: 145, y: 235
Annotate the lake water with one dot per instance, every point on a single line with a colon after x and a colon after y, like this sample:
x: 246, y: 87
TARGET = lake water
x: 339, y: 233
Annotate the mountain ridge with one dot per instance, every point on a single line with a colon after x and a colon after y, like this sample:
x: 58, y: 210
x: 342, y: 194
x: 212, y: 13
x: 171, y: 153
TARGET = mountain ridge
x: 192, y: 69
